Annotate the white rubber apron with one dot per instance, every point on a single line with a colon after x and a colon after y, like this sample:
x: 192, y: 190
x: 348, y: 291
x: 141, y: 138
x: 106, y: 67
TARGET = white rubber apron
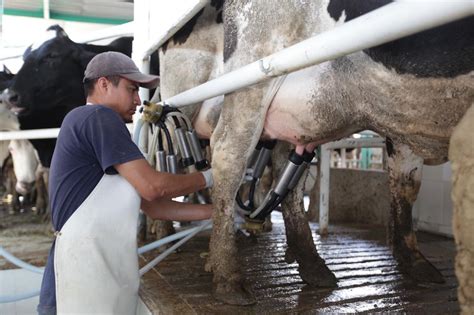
x: 95, y: 260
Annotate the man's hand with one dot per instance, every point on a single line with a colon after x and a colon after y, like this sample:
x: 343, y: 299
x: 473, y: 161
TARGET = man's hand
x: 208, y: 177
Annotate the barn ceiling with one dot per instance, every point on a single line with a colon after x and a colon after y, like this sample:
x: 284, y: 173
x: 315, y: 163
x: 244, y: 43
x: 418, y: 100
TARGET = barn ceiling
x: 94, y: 11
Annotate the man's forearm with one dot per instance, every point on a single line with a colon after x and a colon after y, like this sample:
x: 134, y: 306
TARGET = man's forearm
x: 170, y: 186
x: 152, y: 185
x: 169, y: 210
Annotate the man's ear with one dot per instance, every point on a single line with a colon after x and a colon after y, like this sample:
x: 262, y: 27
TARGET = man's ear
x: 102, y: 84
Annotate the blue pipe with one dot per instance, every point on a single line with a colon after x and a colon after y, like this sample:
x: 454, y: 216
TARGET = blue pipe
x: 168, y: 239
x: 19, y: 263
x: 137, y: 130
x: 19, y: 297
x: 141, y: 250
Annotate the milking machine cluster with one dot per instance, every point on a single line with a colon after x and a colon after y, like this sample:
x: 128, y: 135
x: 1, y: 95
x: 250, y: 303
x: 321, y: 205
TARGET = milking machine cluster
x: 286, y: 182
x: 168, y: 120
x: 172, y: 127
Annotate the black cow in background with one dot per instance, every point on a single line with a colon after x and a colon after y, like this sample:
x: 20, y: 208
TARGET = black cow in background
x: 49, y: 84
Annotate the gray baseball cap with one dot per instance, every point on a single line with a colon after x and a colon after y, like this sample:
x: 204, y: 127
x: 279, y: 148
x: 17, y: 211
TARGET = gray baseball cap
x: 115, y: 63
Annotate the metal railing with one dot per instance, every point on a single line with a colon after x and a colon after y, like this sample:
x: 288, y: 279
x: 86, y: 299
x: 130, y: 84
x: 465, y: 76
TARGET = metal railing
x: 374, y: 142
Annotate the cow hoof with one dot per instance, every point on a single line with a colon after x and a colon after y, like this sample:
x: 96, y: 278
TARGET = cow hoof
x: 421, y: 270
x: 318, y: 275
x: 233, y: 294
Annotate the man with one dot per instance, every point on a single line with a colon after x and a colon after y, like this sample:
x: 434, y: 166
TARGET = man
x: 99, y: 180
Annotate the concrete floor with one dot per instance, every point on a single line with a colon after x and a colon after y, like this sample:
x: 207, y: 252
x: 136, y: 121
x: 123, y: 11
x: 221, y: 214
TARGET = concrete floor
x: 368, y: 278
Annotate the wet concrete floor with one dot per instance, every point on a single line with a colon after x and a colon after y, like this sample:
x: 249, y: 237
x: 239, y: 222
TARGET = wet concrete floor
x: 368, y: 279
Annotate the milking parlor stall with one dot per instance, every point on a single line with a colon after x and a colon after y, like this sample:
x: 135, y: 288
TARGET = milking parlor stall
x: 395, y: 175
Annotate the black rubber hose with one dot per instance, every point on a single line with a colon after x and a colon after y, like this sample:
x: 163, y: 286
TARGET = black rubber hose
x: 160, y: 141
x: 263, y: 213
x: 252, y: 193
x: 176, y: 122
x: 270, y: 207
x: 238, y: 199
x: 163, y: 127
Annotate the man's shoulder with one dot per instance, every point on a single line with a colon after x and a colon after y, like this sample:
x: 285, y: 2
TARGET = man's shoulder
x: 84, y: 113
x: 86, y: 110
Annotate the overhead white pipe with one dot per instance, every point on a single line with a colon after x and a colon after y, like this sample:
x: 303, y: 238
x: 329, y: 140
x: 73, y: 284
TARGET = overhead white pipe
x: 30, y: 134
x: 47, y: 133
x: 390, y: 22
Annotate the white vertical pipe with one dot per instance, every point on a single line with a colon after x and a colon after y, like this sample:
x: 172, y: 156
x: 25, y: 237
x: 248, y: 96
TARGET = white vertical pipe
x: 343, y: 158
x: 141, y: 19
x: 324, y: 190
x: 46, y: 9
x: 390, y: 22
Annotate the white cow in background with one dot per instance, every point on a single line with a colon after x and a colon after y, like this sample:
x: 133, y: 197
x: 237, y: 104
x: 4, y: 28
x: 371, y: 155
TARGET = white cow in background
x: 24, y: 157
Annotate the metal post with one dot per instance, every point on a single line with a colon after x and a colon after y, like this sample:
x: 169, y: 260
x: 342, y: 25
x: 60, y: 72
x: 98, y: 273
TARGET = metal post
x: 46, y: 9
x: 343, y: 158
x: 141, y: 19
x: 324, y: 190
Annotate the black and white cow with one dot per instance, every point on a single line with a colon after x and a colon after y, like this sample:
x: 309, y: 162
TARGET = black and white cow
x: 413, y: 91
x: 193, y: 56
x: 49, y: 84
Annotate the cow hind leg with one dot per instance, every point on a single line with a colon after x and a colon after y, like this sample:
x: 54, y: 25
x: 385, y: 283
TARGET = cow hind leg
x: 312, y: 267
x: 11, y: 196
x: 461, y: 154
x: 405, y: 179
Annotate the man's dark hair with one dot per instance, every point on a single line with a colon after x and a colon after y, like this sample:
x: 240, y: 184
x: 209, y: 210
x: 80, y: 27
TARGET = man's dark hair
x: 90, y: 83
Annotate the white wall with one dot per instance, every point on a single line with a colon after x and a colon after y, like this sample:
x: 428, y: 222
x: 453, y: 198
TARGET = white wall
x: 433, y: 210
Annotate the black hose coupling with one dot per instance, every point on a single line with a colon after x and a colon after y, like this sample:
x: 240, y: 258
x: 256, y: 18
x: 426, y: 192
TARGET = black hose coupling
x: 288, y: 179
x: 307, y: 158
x: 264, y: 154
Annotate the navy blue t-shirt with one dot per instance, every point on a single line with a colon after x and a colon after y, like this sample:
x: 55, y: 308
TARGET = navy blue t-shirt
x: 91, y: 140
